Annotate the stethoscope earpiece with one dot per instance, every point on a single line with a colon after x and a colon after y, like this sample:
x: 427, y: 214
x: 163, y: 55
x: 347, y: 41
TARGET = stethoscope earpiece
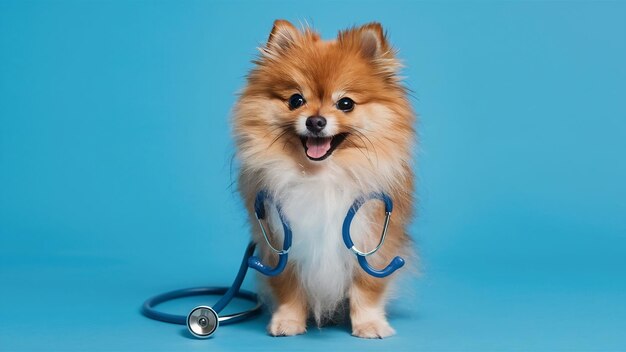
x: 396, y: 263
x: 255, y: 262
x: 202, y: 322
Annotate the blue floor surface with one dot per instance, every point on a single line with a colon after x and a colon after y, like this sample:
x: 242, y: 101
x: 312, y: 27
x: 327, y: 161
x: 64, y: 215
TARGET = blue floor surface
x: 76, y: 303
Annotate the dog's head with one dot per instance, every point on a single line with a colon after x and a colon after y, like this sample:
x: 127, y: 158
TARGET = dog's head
x: 316, y: 102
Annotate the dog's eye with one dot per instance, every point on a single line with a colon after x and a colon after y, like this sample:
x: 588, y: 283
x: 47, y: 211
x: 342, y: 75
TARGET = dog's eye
x: 296, y: 101
x: 345, y: 104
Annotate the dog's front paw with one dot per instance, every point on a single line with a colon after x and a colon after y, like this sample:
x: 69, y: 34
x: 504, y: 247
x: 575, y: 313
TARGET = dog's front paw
x: 376, y: 329
x: 285, y: 327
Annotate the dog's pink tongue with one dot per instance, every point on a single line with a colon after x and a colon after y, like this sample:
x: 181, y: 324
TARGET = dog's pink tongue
x: 317, y: 147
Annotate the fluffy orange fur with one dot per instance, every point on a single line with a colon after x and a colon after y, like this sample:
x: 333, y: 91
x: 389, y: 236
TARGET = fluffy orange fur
x: 376, y: 156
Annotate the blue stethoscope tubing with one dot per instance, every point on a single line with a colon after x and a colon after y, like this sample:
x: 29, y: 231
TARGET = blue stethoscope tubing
x: 254, y: 261
x: 249, y: 260
x: 396, y: 263
x: 228, y: 293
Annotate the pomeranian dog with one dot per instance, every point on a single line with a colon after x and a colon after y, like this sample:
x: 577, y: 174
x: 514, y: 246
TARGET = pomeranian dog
x: 319, y: 124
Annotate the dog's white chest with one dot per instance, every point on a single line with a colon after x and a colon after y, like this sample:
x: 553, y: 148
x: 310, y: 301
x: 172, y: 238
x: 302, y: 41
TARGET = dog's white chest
x: 315, y: 210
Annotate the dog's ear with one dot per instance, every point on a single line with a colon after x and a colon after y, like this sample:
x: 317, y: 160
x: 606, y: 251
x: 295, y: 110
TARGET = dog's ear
x: 283, y: 35
x: 373, y: 42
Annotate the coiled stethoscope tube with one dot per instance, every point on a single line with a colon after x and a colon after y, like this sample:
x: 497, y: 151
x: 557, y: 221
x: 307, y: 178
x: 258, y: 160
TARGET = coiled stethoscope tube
x: 198, y: 326
x: 203, y: 321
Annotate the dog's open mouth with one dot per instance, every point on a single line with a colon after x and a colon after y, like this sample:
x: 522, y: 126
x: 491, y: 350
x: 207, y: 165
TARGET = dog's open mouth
x: 320, y: 148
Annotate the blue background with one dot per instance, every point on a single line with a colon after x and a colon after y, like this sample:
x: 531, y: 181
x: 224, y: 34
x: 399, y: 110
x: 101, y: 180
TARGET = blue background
x: 115, y: 171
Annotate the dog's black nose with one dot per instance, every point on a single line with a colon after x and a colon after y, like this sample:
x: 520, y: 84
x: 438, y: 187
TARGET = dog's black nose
x: 315, y: 123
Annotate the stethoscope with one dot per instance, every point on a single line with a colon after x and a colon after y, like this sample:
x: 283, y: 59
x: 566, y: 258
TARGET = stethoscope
x: 203, y: 321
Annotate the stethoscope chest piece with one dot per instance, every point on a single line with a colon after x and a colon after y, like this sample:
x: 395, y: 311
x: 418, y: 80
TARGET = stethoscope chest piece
x: 202, y: 322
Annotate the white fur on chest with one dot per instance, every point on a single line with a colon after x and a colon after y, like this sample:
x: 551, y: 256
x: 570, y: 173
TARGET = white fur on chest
x: 315, y: 207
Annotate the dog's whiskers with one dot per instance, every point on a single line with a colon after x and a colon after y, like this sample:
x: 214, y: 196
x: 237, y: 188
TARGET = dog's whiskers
x: 363, y: 138
x: 286, y: 128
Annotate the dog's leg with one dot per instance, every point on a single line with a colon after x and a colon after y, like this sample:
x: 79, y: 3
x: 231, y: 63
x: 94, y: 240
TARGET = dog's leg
x: 367, y: 308
x: 290, y: 315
